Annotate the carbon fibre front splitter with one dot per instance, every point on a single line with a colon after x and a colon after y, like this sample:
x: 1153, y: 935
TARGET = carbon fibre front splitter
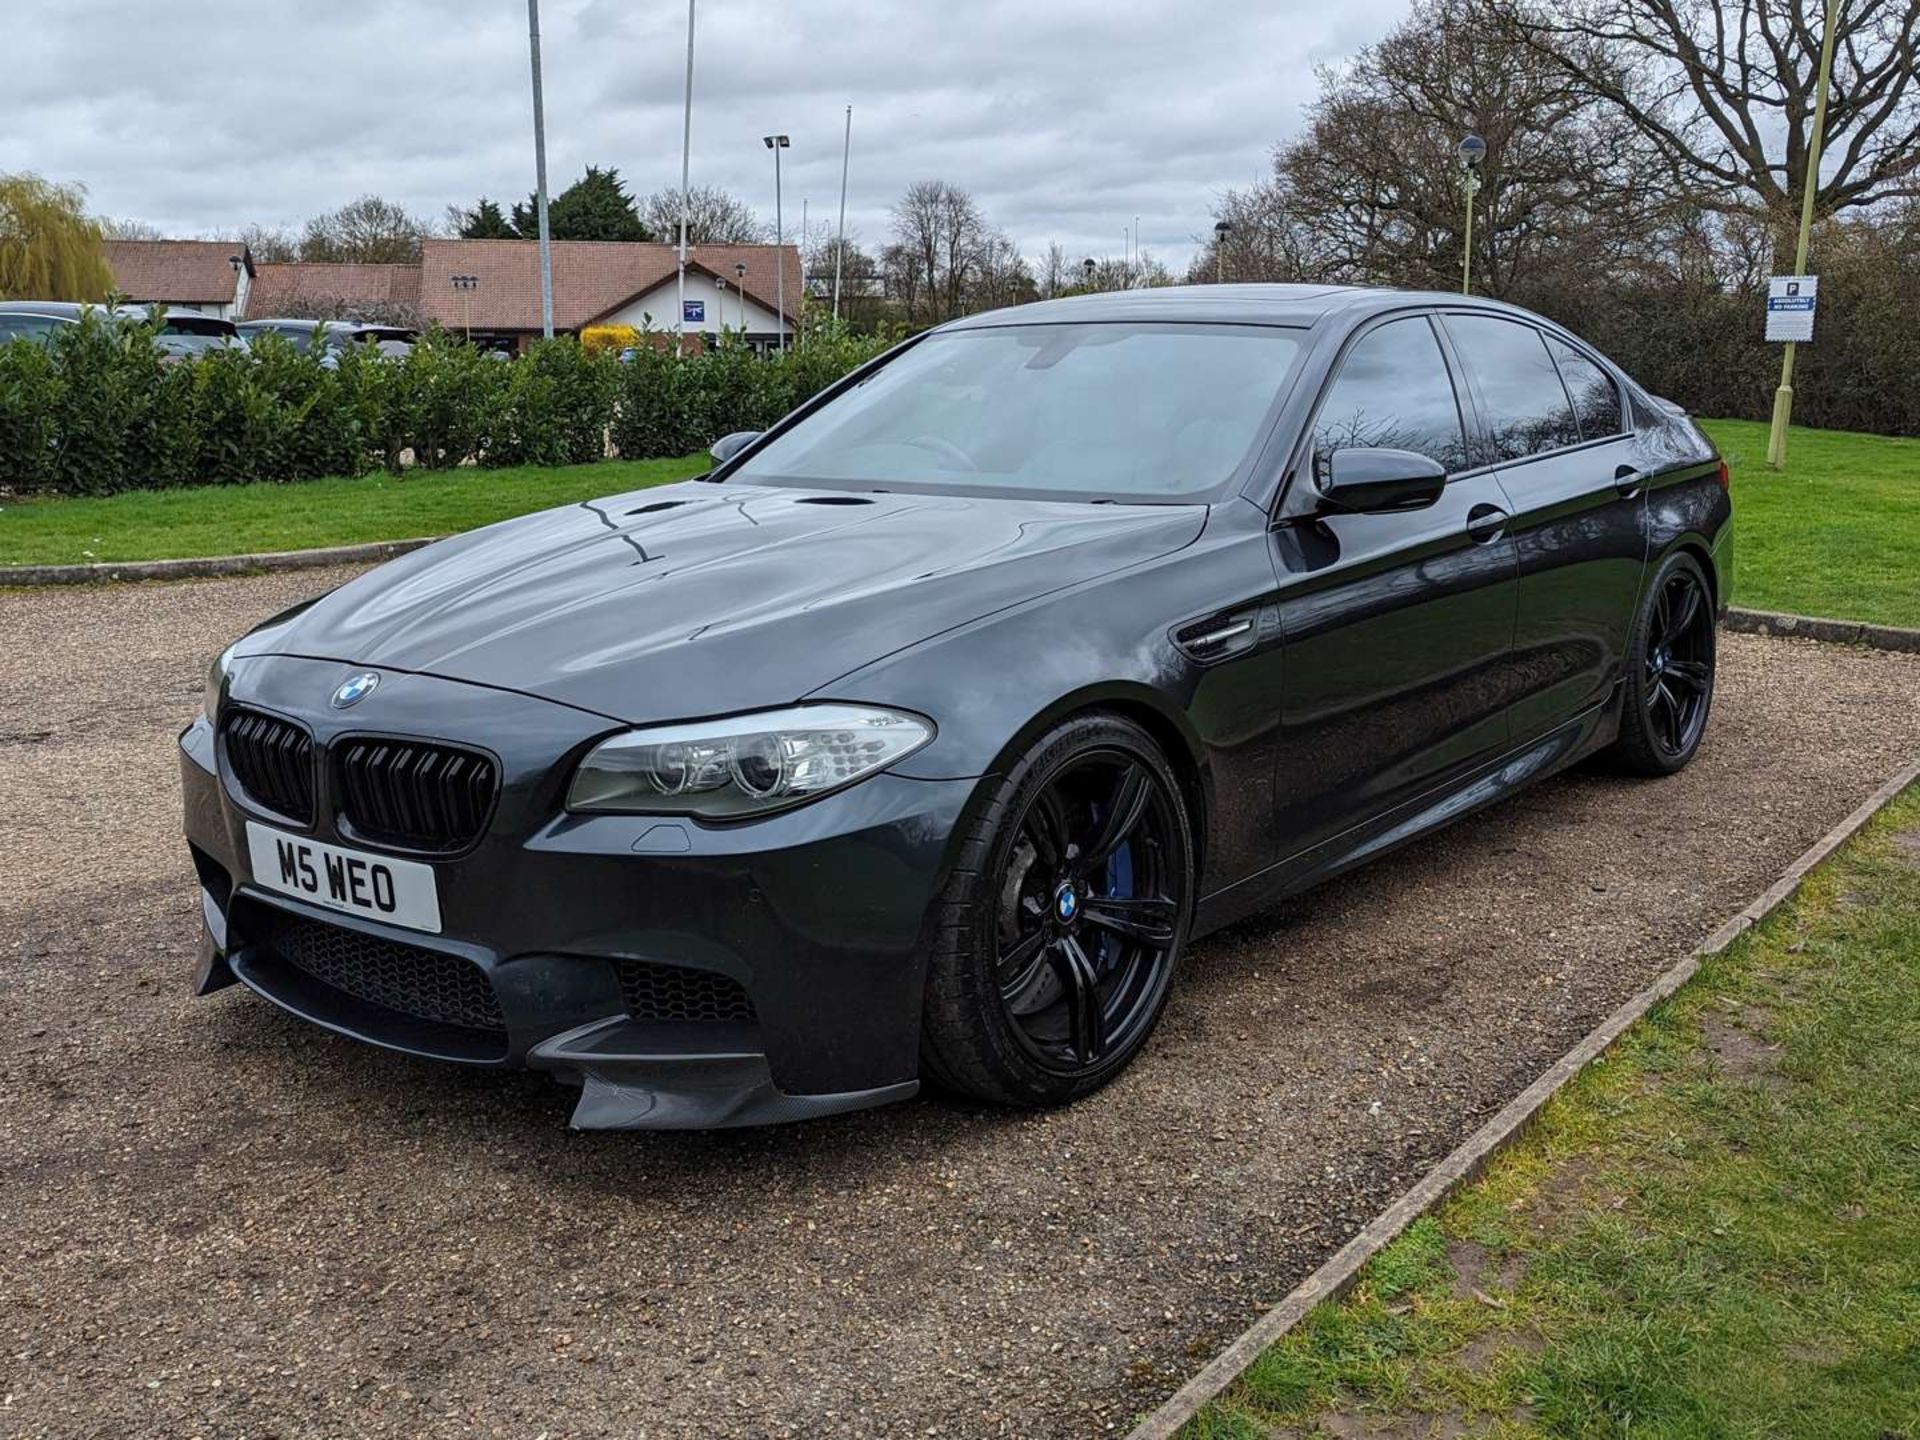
x: 622, y: 1088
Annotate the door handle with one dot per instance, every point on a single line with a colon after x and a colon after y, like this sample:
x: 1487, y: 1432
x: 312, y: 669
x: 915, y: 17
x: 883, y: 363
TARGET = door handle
x: 1486, y: 524
x: 1628, y: 480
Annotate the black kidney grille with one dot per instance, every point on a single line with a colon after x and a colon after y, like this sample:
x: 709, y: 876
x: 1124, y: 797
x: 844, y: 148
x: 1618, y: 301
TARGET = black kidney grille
x: 669, y: 992
x: 272, y: 760
x: 413, y: 794
x: 403, y: 978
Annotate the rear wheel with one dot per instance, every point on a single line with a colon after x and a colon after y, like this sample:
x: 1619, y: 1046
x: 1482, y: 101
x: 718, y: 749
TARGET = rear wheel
x: 1061, y: 926
x: 1669, y: 687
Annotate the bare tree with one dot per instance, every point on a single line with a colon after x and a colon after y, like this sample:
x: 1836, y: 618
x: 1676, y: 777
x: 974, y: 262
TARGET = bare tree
x: 1373, y: 192
x: 937, y: 234
x: 333, y: 307
x: 900, y: 279
x: 369, y: 230
x: 128, y: 229
x: 1057, y: 274
x: 1001, y: 275
x: 1265, y: 240
x: 1722, y: 91
x: 269, y: 244
x: 714, y: 217
x: 1142, y: 272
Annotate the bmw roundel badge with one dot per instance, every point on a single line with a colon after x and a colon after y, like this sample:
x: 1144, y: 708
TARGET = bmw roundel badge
x: 353, y: 691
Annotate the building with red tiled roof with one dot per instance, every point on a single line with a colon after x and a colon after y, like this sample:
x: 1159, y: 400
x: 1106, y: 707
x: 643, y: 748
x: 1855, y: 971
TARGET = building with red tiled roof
x: 607, y: 282
x: 211, y: 276
x: 300, y: 288
x: 595, y: 282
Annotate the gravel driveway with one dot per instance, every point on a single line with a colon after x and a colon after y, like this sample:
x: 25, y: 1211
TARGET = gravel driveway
x: 217, y: 1221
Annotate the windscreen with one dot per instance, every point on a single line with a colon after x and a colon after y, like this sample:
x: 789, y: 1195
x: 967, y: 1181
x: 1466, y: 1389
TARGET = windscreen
x: 1116, y: 411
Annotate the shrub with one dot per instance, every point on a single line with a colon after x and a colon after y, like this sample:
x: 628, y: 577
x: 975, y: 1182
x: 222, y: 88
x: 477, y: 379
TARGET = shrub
x: 29, y: 388
x: 648, y: 422
x: 102, y: 368
x: 559, y: 402
x: 103, y: 409
x: 443, y: 402
x: 605, y: 338
x: 673, y: 406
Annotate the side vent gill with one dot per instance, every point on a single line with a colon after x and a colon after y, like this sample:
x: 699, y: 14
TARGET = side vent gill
x: 1218, y: 636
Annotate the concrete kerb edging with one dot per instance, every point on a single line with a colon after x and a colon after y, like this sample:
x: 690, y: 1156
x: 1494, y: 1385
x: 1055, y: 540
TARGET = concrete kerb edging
x: 1338, y: 1274
x: 208, y: 567
x: 1809, y: 627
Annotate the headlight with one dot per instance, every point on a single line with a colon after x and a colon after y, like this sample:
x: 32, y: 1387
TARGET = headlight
x: 216, y: 681
x: 748, y: 765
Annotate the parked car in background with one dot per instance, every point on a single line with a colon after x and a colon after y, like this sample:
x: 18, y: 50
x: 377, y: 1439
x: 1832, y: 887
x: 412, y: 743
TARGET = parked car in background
x: 185, y: 334
x: 180, y: 332
x: 34, y: 320
x: 333, y: 336
x: 927, y: 729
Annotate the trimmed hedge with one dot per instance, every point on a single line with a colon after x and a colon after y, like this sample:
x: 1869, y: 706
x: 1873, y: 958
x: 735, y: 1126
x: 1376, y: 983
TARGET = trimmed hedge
x: 102, y: 410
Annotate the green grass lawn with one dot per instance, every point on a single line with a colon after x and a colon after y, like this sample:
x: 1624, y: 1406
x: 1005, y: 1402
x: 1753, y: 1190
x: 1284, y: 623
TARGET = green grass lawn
x: 246, y: 519
x: 1837, y: 533
x: 1713, y: 1232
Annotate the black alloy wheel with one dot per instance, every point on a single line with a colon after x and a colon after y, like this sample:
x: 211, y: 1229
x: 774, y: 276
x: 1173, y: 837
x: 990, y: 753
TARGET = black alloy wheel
x: 1065, y: 940
x: 1671, y: 671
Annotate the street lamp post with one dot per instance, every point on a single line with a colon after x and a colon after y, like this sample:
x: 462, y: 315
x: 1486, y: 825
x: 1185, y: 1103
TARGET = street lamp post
x: 777, y: 143
x: 1221, y: 229
x: 540, y: 173
x: 840, y: 240
x: 740, y: 275
x: 1783, y: 397
x: 1088, y: 267
x: 686, y: 156
x: 1472, y: 151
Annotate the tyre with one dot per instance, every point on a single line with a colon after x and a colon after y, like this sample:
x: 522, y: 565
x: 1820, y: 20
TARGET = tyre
x: 1058, y: 933
x: 1670, y: 659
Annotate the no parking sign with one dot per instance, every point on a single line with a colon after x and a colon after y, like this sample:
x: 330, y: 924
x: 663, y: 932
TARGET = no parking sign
x: 1790, y: 304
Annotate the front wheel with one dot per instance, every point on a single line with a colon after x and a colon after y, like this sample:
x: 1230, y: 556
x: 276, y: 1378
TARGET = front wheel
x: 1670, y: 671
x: 1060, y: 928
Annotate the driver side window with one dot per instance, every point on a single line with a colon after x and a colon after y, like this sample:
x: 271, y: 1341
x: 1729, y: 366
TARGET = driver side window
x: 1393, y: 392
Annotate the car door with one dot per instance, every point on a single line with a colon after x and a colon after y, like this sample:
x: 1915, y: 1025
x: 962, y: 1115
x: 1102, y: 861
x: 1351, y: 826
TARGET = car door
x: 1396, y: 628
x: 1552, y: 421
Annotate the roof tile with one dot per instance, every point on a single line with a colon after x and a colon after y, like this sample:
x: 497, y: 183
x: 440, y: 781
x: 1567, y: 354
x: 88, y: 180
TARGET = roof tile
x: 188, y: 272
x: 590, y: 278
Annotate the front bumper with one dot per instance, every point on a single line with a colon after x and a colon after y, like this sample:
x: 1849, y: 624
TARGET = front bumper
x: 818, y: 914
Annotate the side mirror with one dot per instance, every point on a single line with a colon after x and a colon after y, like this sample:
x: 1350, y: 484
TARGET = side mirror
x: 728, y: 446
x: 1367, y: 481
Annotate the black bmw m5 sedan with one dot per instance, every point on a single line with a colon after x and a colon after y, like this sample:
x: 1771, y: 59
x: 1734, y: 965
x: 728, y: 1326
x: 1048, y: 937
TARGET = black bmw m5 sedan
x: 916, y: 741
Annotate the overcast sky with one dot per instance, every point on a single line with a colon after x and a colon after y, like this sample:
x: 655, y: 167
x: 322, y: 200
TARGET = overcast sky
x: 1066, y: 118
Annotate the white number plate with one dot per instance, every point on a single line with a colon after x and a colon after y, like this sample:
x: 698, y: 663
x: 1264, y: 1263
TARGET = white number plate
x: 400, y: 892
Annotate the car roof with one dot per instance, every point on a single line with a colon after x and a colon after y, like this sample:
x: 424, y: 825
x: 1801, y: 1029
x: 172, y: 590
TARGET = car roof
x: 1289, y: 305
x: 74, y: 309
x: 64, y: 309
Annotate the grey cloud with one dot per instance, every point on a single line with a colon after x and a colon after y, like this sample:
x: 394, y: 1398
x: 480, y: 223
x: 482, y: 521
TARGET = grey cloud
x: 1066, y: 118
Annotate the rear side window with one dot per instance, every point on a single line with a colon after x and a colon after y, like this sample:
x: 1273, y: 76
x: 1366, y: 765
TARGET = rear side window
x: 1596, y: 399
x: 1393, y: 392
x: 1526, y: 407
x: 38, y: 328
